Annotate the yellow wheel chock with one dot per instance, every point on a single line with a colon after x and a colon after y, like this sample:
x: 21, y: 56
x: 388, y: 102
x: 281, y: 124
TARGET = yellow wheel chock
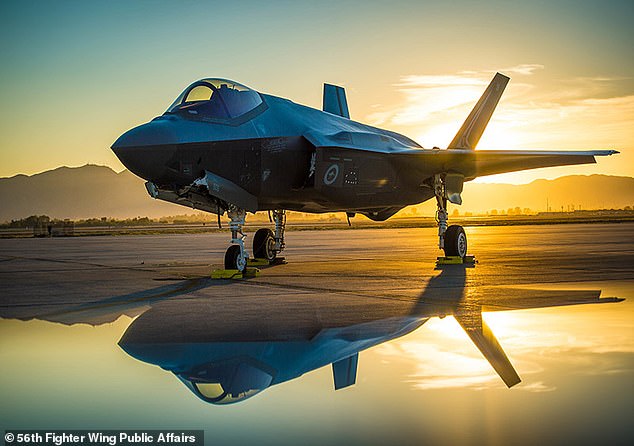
x: 455, y: 260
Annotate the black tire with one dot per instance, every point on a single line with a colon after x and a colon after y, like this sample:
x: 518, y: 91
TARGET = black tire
x: 264, y: 245
x: 233, y: 260
x: 455, y: 241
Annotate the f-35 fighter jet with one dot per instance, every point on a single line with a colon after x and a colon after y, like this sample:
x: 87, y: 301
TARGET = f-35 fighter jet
x: 223, y: 148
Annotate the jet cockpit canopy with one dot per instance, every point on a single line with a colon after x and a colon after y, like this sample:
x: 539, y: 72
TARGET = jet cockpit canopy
x: 216, y: 100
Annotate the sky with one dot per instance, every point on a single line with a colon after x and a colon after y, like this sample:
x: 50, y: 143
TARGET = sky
x: 75, y: 75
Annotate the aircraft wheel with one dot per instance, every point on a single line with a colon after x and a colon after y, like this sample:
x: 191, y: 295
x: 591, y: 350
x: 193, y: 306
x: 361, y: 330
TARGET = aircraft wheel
x: 234, y: 259
x: 455, y: 241
x: 264, y: 245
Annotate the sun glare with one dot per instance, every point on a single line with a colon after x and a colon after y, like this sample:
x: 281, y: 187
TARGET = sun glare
x: 444, y: 356
x: 437, y: 136
x: 500, y: 136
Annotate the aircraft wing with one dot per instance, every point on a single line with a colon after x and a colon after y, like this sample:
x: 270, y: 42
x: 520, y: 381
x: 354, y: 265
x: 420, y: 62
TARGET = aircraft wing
x: 344, y: 371
x: 477, y: 163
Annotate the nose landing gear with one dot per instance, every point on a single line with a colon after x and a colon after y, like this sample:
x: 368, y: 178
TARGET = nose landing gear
x: 266, y: 243
x: 236, y: 256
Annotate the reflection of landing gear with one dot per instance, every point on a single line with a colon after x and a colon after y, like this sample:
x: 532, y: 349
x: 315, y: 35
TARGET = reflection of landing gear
x: 266, y: 244
x: 452, y: 239
x: 236, y: 256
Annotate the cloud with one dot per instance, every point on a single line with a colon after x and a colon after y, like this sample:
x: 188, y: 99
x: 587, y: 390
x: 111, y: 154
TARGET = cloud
x: 442, y: 356
x: 537, y: 387
x: 464, y: 78
x: 523, y: 69
x: 429, y: 81
x: 577, y: 124
x: 576, y: 113
x: 434, y: 97
x: 439, y: 365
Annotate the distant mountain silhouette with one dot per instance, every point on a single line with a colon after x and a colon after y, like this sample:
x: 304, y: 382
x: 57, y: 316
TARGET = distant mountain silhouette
x: 587, y: 192
x: 80, y: 192
x: 97, y: 191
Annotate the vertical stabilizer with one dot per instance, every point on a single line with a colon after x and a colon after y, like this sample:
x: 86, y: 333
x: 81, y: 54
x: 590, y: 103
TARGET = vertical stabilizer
x: 483, y: 338
x: 472, y: 129
x: 344, y: 371
x: 335, y: 101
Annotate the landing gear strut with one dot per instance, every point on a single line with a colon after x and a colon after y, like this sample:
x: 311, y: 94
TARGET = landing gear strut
x: 236, y: 256
x: 279, y: 216
x: 452, y: 239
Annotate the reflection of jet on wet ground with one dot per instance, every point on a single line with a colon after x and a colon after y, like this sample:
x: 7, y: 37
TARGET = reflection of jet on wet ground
x: 226, y: 351
x: 225, y: 148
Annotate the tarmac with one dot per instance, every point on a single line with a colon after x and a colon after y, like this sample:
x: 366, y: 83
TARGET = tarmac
x: 96, y: 279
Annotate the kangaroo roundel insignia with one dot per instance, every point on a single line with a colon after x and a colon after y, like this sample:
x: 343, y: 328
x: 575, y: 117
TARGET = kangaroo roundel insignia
x: 331, y: 174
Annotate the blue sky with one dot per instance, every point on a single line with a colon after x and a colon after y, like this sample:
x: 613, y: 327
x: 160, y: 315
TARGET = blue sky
x: 78, y: 74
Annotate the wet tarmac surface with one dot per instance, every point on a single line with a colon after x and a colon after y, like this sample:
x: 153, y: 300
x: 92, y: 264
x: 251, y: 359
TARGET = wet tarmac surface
x: 342, y: 292
x: 51, y: 275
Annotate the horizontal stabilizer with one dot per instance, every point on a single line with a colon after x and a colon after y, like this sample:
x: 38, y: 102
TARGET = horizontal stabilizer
x: 477, y: 163
x: 490, y: 162
x: 344, y: 371
x: 472, y: 129
x: 505, y: 299
x: 335, y: 101
x: 483, y: 338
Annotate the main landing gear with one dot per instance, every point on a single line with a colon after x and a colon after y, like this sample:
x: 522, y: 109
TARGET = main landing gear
x: 266, y: 243
x: 452, y: 239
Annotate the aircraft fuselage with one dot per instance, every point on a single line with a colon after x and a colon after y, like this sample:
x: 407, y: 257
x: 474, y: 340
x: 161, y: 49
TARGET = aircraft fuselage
x: 269, y: 153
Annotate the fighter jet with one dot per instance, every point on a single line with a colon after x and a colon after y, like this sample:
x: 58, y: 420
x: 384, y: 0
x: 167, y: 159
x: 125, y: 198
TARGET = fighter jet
x: 222, y: 147
x: 225, y: 352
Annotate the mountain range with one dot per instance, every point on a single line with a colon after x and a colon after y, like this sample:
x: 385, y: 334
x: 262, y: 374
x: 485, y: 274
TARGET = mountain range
x: 97, y: 191
x: 80, y: 192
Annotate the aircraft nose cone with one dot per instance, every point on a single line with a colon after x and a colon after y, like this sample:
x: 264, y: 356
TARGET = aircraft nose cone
x: 155, y: 133
x: 146, y: 150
